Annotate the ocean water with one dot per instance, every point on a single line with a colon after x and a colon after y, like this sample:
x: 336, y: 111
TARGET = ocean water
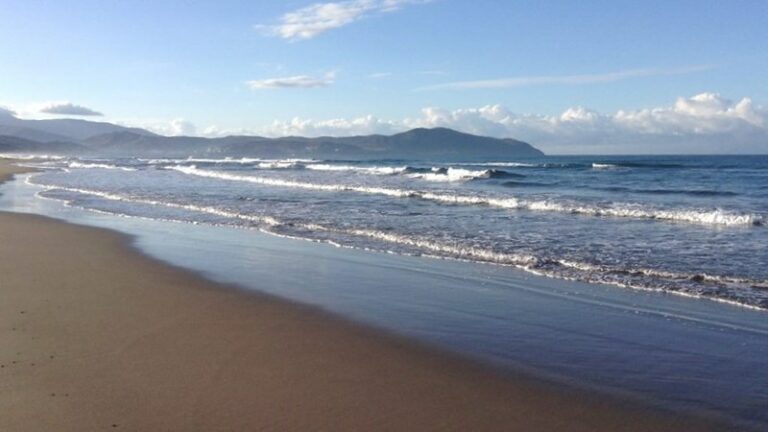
x: 688, y: 225
x: 635, y: 250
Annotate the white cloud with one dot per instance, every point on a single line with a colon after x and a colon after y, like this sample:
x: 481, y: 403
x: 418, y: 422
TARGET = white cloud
x: 563, y: 79
x: 704, y: 123
x: 174, y: 127
x: 334, y: 127
x: 297, y: 81
x: 68, y: 108
x: 179, y: 127
x: 214, y: 131
x: 310, y: 21
x: 44, y: 110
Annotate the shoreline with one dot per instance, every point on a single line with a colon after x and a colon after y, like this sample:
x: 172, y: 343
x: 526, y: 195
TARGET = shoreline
x: 97, y: 335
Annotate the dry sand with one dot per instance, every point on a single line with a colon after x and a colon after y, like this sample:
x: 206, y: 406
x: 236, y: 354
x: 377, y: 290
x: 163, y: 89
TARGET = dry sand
x: 95, y: 336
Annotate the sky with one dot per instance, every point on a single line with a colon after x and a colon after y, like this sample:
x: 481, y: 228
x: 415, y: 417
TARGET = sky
x: 569, y: 77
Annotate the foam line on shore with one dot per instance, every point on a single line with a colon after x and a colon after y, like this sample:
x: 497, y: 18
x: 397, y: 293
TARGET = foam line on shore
x: 739, y: 291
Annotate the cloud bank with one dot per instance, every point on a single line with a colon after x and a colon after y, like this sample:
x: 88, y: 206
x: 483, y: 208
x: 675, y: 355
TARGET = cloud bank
x: 311, y: 21
x: 700, y: 124
x: 298, y: 81
x: 704, y: 123
x: 68, y: 108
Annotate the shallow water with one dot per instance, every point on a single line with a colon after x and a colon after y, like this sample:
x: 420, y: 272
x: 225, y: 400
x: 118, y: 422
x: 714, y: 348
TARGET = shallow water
x: 689, y: 225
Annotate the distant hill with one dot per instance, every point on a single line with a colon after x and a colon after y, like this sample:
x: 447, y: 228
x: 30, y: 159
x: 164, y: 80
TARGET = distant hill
x: 29, y: 133
x: 60, y: 129
x: 94, y: 138
x: 438, y: 143
x: 12, y: 144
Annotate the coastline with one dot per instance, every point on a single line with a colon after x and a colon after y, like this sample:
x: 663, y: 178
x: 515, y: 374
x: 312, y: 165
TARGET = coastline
x: 96, y: 335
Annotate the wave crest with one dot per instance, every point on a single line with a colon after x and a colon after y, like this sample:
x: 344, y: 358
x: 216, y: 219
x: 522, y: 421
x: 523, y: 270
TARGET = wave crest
x: 376, y: 170
x: 740, y: 291
x: 86, y: 165
x: 626, y: 210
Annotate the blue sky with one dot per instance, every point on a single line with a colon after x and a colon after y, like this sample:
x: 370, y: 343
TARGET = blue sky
x: 360, y: 66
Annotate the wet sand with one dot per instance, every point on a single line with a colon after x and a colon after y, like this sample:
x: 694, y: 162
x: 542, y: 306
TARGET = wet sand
x: 96, y: 336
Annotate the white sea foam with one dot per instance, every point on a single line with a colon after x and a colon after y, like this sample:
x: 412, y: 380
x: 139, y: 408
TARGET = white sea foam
x: 226, y: 160
x: 376, y: 170
x: 424, y: 244
x: 666, y: 275
x: 85, y: 165
x: 190, y: 207
x: 604, y: 166
x: 452, y: 250
x: 739, y: 291
x: 25, y: 156
x: 626, y: 210
x: 506, y: 164
x: 519, y: 164
x: 451, y: 174
x: 437, y: 174
x: 278, y: 165
x: 199, y: 160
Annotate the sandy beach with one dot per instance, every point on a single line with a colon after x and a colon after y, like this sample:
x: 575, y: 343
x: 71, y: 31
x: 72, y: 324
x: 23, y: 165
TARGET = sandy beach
x: 96, y: 336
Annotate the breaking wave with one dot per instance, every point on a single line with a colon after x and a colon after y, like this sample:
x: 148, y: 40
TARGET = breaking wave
x: 85, y: 165
x: 735, y: 290
x: 376, y: 170
x: 226, y: 160
x: 451, y: 174
x: 24, y: 156
x: 519, y: 164
x: 604, y: 166
x: 626, y: 164
x: 435, y: 174
x: 625, y: 210
x: 279, y: 165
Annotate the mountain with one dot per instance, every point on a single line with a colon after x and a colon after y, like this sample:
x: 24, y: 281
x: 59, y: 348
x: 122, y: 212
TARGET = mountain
x: 438, y: 143
x: 59, y: 129
x: 29, y: 133
x: 451, y: 144
x: 13, y: 144
x: 106, y: 139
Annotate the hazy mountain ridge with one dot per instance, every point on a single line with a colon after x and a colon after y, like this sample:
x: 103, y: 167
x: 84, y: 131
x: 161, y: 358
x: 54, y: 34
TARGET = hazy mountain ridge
x: 106, y: 139
x: 14, y: 144
x: 61, y: 129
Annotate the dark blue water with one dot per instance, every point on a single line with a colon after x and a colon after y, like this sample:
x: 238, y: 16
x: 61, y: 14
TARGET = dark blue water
x: 690, y: 225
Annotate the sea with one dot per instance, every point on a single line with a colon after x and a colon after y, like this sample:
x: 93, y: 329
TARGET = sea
x: 687, y: 225
x: 641, y: 277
